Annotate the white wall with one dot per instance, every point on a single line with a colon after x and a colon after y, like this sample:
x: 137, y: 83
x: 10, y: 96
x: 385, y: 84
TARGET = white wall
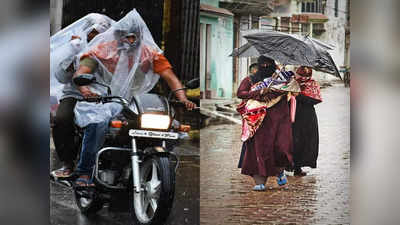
x: 335, y: 33
x: 244, y: 63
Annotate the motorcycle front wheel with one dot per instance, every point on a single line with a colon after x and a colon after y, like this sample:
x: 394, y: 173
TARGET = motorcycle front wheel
x: 154, y: 203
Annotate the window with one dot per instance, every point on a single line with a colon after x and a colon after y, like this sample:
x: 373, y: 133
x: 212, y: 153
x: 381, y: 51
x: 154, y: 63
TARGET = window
x: 295, y: 27
x: 312, y: 7
x: 305, y: 28
x: 285, y: 21
x: 254, y: 22
x: 318, y: 28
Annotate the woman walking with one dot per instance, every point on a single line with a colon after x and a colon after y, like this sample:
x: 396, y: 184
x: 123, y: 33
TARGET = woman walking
x: 267, y: 133
x: 305, y: 127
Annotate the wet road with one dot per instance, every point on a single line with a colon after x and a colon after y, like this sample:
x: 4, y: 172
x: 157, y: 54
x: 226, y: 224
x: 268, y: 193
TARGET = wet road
x: 63, y: 210
x: 321, y: 197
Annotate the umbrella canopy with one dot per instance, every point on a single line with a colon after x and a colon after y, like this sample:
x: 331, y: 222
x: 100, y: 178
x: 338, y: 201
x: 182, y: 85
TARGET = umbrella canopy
x: 289, y: 50
x: 246, y: 50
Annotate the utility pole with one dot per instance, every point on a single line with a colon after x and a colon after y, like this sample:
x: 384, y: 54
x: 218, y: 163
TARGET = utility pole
x: 55, y: 15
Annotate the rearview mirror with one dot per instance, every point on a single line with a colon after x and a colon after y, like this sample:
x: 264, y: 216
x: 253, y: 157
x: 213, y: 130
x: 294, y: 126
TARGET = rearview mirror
x: 84, y: 79
x: 193, y: 84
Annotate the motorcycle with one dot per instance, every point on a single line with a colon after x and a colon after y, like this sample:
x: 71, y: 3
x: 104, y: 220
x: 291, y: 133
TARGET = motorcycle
x: 136, y: 167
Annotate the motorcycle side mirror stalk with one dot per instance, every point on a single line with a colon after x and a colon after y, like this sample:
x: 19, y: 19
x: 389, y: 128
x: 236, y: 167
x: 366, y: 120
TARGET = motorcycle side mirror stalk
x: 193, y: 84
x: 86, y: 79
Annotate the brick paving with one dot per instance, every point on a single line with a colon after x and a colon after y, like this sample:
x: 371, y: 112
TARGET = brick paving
x: 321, y: 197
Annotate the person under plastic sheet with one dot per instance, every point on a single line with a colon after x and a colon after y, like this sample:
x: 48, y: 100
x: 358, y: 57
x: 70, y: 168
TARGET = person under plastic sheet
x: 127, y: 58
x: 64, y: 47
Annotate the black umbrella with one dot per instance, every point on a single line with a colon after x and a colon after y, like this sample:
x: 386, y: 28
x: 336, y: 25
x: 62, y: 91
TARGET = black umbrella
x: 246, y: 50
x: 289, y: 49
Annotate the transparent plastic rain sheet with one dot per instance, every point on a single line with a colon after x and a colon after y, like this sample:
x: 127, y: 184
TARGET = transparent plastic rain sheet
x: 128, y: 68
x: 64, y: 50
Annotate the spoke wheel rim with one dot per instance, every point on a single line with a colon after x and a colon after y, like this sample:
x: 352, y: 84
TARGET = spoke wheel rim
x: 150, y: 195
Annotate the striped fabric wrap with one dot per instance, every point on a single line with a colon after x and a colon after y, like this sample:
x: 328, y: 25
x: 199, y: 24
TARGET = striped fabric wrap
x: 254, y: 111
x: 284, y: 76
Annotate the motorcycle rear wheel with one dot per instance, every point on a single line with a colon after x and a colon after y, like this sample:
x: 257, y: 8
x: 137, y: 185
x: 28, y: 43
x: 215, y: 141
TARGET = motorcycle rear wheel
x: 155, y: 202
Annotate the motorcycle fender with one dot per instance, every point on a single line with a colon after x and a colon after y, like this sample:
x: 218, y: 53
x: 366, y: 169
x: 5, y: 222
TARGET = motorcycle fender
x: 158, y: 150
x: 161, y: 152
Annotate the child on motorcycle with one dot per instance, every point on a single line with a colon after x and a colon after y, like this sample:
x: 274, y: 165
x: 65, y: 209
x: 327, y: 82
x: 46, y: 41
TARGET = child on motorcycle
x: 65, y: 45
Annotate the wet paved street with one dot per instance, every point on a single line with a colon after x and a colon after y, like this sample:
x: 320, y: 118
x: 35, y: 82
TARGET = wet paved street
x: 63, y: 210
x: 321, y: 197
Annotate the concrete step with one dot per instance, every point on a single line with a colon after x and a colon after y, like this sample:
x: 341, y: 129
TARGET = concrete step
x: 215, y: 114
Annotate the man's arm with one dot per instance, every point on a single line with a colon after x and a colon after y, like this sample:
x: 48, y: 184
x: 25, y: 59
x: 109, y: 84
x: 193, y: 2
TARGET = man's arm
x: 87, y: 65
x: 162, y: 67
x: 64, y: 76
x: 173, y: 82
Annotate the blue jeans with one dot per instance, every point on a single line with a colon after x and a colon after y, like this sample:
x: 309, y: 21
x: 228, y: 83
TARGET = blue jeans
x: 93, y: 139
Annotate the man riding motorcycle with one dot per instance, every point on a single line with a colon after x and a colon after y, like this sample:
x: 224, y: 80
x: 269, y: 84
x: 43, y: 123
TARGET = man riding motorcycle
x: 127, y: 58
x: 65, y: 45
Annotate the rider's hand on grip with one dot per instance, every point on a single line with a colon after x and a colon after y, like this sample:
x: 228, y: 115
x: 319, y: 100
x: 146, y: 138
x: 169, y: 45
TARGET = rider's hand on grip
x: 189, y: 104
x: 93, y: 99
x: 86, y: 92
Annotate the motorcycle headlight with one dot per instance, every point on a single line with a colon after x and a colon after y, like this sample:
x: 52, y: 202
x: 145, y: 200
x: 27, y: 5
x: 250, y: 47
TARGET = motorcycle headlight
x: 155, y: 121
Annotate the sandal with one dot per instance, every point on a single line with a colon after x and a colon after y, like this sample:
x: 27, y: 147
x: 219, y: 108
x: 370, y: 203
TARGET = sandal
x: 281, y: 179
x: 63, y: 172
x: 81, y: 182
x: 90, y: 183
x: 259, y: 187
x: 84, y: 182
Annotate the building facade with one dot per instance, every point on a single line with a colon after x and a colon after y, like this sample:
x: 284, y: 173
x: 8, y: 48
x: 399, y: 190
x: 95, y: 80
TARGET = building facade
x: 326, y: 20
x: 216, y: 44
x: 247, y: 16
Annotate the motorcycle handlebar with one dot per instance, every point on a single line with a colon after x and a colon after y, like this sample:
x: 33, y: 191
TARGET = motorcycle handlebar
x: 104, y: 99
x: 181, y: 104
x: 91, y: 99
